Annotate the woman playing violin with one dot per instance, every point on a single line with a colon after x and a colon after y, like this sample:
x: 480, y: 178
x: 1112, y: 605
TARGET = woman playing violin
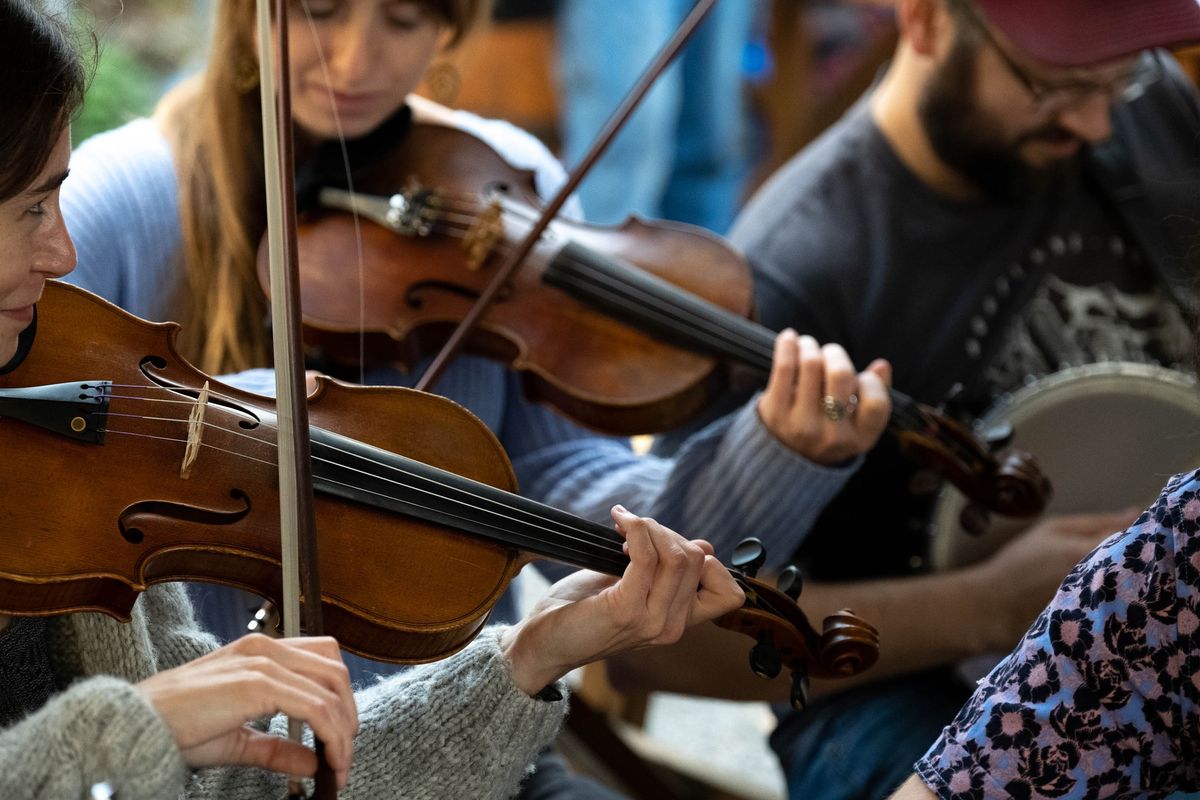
x: 154, y: 708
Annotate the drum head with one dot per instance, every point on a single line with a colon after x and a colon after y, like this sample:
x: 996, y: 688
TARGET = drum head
x: 1107, y: 435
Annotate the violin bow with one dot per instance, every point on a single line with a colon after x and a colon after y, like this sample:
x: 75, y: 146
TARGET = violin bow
x: 297, y: 517
x: 611, y: 128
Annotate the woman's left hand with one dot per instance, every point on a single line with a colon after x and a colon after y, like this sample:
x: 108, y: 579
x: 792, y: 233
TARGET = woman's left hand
x: 670, y: 583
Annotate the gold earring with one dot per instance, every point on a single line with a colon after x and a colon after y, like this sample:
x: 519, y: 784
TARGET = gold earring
x: 443, y: 82
x: 245, y: 75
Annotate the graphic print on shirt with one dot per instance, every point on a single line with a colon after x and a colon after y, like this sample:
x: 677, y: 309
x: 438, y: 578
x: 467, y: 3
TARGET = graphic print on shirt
x: 1097, y: 300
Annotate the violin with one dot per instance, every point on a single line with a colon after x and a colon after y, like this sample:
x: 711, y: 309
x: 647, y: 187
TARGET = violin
x: 625, y: 329
x: 128, y: 467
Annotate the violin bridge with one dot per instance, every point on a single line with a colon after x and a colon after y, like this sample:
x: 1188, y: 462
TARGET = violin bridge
x: 195, y: 432
x: 480, y: 239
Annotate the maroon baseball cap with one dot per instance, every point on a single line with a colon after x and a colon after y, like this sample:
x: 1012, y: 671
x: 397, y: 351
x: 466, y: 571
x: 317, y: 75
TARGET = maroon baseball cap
x: 1078, y: 33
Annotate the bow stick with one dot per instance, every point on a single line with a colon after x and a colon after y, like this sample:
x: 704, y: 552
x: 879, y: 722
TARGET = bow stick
x: 297, y: 518
x: 617, y: 121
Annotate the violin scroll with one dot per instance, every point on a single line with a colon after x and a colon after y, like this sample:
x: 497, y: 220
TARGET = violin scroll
x: 848, y: 644
x: 1021, y: 489
x: 1009, y: 483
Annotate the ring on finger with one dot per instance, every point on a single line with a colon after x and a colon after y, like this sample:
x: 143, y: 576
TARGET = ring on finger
x: 836, y: 410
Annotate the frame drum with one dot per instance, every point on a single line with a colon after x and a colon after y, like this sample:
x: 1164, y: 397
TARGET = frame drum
x: 1108, y: 436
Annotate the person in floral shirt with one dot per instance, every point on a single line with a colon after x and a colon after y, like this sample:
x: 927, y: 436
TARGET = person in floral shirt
x: 1100, y: 698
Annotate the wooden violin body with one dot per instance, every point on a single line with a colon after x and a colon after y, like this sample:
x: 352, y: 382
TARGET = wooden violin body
x: 453, y: 207
x: 419, y: 535
x: 100, y: 522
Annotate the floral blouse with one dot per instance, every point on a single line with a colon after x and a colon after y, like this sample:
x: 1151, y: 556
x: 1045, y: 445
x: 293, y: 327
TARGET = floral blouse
x: 1100, y: 698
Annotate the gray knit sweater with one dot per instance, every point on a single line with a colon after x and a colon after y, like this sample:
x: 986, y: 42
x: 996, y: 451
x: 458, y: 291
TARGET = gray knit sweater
x: 456, y: 729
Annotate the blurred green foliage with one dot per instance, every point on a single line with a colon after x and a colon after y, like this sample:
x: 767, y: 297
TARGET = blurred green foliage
x: 123, y: 88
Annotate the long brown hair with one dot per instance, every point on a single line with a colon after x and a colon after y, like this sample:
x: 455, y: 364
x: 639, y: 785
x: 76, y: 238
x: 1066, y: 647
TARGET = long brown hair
x: 42, y: 81
x: 214, y: 125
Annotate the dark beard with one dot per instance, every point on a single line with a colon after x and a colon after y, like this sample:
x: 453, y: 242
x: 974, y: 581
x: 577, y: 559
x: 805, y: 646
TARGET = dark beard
x: 964, y: 139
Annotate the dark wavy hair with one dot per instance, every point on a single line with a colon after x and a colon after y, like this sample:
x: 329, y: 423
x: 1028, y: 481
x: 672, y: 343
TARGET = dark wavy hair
x: 43, y: 78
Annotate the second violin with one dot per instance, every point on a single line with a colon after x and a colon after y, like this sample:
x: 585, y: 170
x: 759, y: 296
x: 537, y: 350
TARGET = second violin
x: 626, y: 329
x: 447, y: 209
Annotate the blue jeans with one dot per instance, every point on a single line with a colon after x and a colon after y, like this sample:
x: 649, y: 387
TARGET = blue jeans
x: 861, y: 744
x: 685, y: 153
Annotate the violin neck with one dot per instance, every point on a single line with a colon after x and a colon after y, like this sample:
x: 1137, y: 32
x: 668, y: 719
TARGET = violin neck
x: 659, y: 308
x: 356, y: 471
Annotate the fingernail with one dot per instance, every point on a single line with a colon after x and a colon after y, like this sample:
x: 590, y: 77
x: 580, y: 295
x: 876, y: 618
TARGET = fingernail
x: 620, y: 509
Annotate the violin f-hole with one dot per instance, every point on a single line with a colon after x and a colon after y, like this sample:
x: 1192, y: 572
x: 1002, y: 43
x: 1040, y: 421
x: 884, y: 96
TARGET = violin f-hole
x: 149, y: 364
x: 134, y: 518
x: 415, y: 301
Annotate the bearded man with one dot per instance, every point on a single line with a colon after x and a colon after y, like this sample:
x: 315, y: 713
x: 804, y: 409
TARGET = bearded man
x: 1016, y: 195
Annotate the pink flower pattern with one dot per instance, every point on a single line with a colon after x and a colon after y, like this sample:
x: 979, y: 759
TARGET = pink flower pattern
x: 1101, y: 697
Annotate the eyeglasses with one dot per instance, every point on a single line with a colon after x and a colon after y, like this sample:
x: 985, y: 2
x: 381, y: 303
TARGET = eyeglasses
x: 1051, y: 96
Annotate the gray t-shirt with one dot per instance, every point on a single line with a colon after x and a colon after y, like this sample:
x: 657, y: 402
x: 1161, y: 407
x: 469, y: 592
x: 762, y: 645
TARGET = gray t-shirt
x: 963, y: 298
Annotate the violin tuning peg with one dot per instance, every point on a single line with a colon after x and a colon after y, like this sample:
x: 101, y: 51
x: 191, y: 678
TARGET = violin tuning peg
x: 765, y: 660
x: 799, y: 693
x: 749, y: 555
x: 790, y: 582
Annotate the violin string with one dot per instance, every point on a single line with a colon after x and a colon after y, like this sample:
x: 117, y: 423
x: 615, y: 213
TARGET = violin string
x: 608, y: 546
x: 746, y: 348
x: 174, y: 440
x: 575, y: 544
x: 750, y: 347
x: 459, y: 226
x: 912, y: 416
x: 685, y: 323
x: 570, y: 532
x: 509, y: 512
x: 683, y: 320
x: 354, y: 215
